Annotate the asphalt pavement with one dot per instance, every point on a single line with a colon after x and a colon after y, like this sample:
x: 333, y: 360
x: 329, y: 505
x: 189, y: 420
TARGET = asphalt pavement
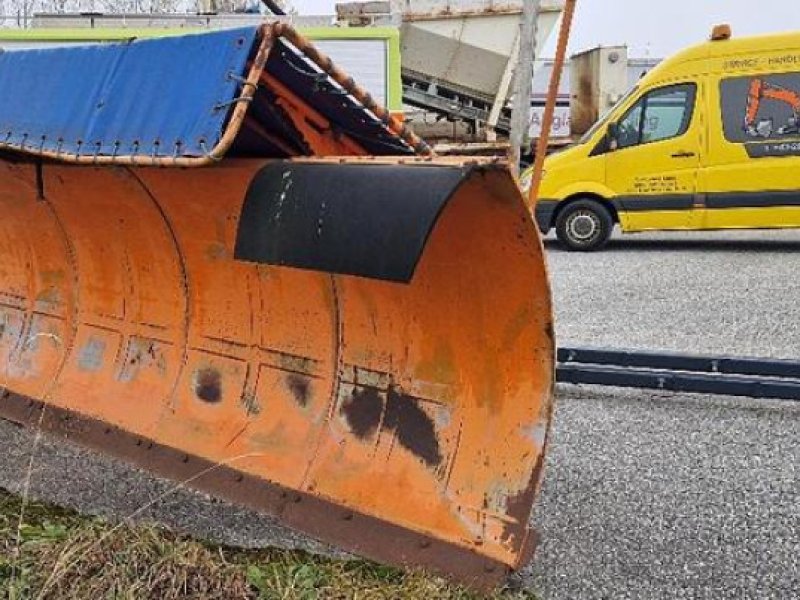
x: 658, y: 495
x: 646, y: 494
x: 725, y: 293
x: 653, y: 495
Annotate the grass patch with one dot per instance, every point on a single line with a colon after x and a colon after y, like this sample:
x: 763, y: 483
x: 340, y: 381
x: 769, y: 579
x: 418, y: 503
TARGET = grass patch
x: 62, y: 555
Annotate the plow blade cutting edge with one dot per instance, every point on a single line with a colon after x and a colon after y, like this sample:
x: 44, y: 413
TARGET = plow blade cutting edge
x: 360, y: 347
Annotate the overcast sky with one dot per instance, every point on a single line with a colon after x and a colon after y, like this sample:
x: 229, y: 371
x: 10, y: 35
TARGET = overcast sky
x: 655, y: 28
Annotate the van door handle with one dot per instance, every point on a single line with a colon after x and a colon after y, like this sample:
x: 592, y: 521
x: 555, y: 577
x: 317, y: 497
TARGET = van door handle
x: 684, y: 154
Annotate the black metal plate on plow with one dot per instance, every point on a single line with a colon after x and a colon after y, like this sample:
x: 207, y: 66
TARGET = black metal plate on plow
x: 367, y: 220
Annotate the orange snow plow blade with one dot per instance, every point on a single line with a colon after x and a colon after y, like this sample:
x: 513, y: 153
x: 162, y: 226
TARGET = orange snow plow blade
x: 361, y: 347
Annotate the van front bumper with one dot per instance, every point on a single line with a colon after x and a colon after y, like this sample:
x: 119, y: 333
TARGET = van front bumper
x: 544, y: 213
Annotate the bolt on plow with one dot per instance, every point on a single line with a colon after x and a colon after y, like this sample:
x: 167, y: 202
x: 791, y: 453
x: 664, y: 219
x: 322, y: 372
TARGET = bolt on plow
x: 223, y: 262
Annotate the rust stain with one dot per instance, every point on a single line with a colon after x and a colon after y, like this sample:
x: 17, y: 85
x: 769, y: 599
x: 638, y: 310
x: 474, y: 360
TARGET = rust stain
x: 440, y: 366
x: 217, y: 251
x: 52, y: 278
x: 50, y: 296
x: 490, y: 388
x: 51, y: 282
x: 519, y: 508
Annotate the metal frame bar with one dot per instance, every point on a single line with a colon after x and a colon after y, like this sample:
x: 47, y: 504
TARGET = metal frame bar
x: 724, y: 375
x: 324, y: 62
x: 502, y: 92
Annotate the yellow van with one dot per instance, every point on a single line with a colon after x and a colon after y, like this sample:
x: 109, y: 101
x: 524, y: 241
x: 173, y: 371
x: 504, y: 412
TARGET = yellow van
x: 709, y: 139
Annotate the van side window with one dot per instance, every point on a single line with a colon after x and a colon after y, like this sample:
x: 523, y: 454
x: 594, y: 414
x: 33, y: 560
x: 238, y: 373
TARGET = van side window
x: 630, y: 126
x: 659, y: 115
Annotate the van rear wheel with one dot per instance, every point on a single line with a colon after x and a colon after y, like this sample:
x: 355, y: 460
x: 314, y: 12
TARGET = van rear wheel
x: 584, y: 225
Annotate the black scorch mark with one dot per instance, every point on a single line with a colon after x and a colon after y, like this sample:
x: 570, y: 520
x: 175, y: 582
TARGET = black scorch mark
x: 300, y: 388
x: 208, y: 385
x: 363, y: 412
x: 412, y: 426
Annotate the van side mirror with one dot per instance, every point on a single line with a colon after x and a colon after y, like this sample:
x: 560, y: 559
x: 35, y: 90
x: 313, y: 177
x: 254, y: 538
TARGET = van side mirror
x: 612, y: 136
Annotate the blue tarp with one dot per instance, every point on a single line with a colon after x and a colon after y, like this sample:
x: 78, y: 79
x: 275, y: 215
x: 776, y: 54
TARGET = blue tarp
x: 162, y: 97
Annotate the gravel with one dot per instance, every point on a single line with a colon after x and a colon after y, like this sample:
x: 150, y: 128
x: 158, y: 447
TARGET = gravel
x: 646, y: 495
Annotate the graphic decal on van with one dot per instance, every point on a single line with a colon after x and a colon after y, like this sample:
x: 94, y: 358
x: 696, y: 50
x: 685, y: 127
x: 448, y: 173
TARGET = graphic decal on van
x: 763, y: 113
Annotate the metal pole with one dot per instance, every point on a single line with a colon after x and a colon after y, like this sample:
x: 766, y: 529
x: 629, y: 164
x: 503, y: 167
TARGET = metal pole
x: 523, y: 80
x: 274, y: 7
x: 501, y: 97
x: 550, y: 106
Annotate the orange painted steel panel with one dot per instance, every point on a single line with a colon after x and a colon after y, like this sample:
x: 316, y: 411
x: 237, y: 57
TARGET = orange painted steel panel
x: 423, y: 406
x: 401, y: 414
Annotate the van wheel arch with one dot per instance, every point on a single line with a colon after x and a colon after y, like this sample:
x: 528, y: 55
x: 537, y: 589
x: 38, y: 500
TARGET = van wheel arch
x: 609, y: 206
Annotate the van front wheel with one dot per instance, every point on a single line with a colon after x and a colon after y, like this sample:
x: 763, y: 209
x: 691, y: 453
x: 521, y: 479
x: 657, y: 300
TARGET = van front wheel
x: 584, y: 225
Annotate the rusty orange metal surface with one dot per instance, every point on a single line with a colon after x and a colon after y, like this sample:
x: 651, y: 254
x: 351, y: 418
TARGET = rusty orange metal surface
x: 401, y: 415
x: 424, y: 405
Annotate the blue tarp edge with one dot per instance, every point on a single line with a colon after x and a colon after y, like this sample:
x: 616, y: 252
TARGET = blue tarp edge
x: 167, y: 97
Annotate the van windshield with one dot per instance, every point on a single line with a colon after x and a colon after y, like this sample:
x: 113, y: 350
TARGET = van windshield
x: 604, y: 118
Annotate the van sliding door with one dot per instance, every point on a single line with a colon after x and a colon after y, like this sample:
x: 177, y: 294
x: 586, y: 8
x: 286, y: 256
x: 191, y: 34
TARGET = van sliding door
x: 752, y: 174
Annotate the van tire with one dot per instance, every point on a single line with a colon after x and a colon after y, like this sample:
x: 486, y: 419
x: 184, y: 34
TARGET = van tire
x: 584, y: 225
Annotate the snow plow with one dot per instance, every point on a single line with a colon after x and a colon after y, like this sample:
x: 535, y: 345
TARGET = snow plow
x: 223, y: 262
